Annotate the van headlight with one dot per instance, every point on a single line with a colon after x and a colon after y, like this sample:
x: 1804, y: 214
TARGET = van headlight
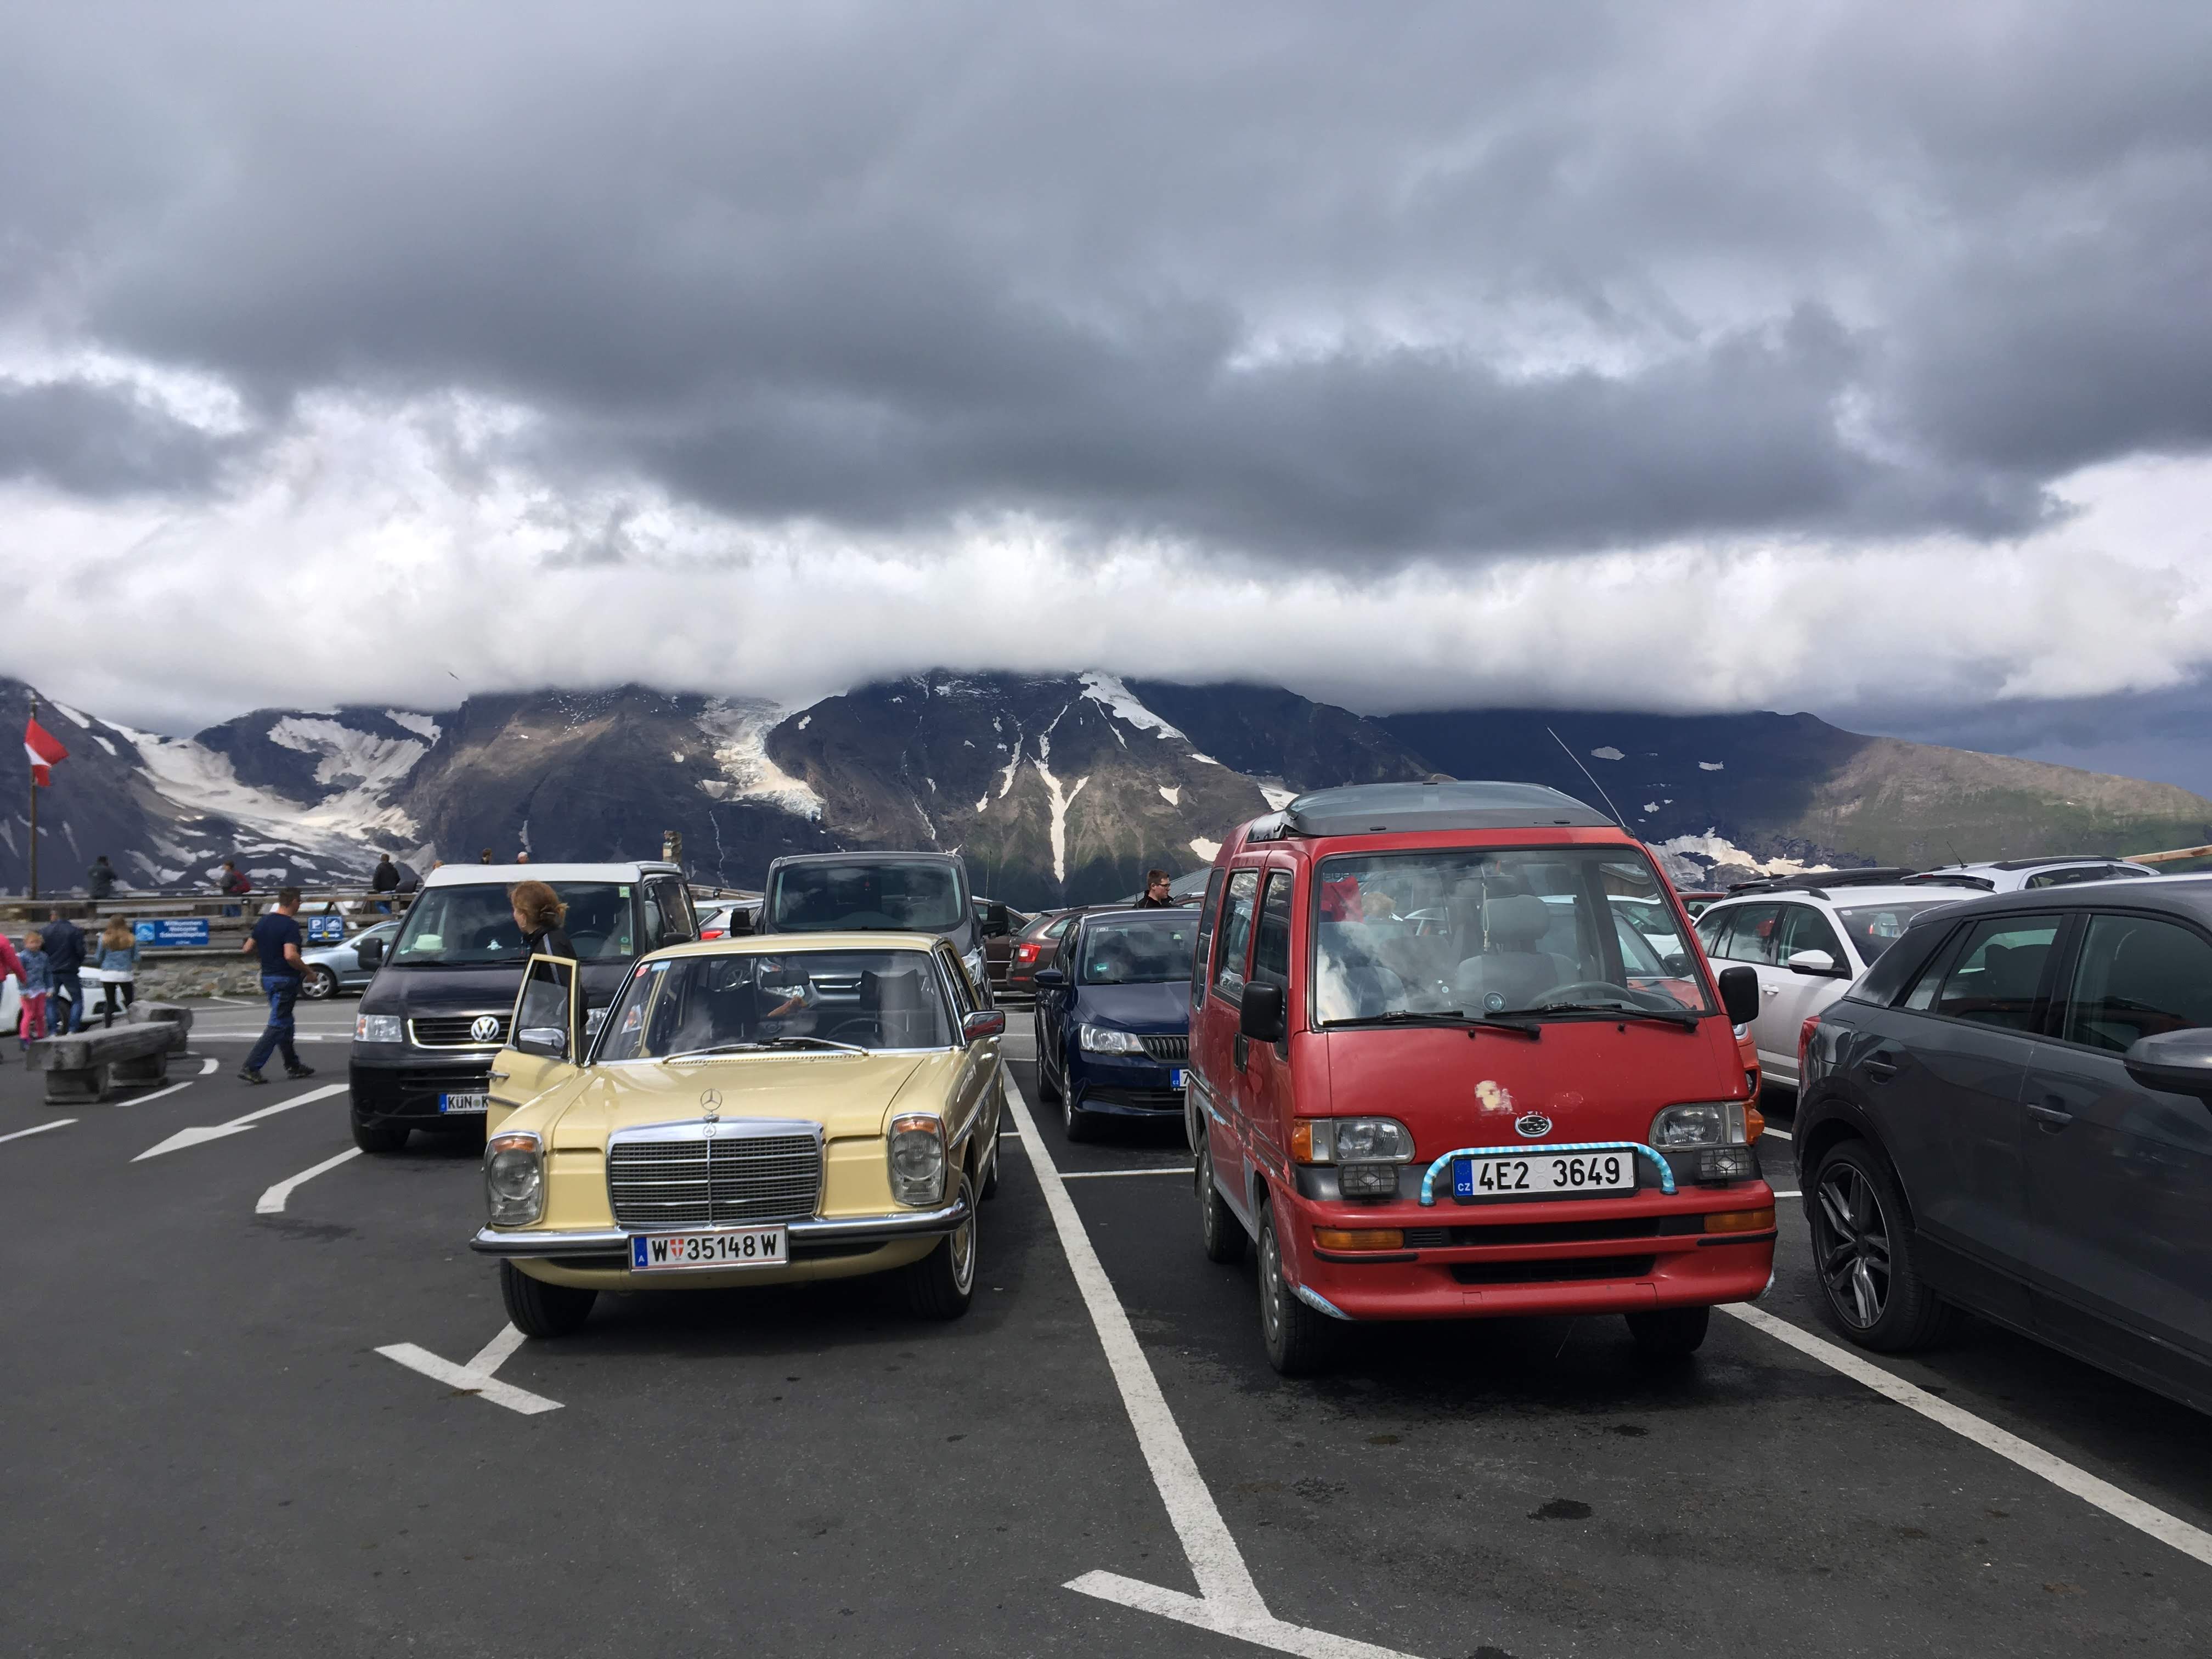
x: 514, y: 1179
x: 918, y: 1160
x: 376, y: 1028
x: 1712, y: 1135
x: 1350, y: 1140
x: 1105, y: 1040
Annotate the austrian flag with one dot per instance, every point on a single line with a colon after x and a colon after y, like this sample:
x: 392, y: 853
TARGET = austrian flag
x: 39, y: 744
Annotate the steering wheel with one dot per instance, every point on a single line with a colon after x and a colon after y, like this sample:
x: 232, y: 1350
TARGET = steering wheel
x: 861, y: 1025
x: 867, y: 919
x: 1598, y: 990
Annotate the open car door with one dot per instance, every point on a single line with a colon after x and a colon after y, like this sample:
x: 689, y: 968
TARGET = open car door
x: 545, y: 1039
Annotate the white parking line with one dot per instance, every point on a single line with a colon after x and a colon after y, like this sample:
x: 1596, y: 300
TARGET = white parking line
x: 39, y: 1128
x: 198, y: 1133
x: 2193, y: 1541
x: 1779, y: 1135
x: 272, y: 1201
x: 158, y: 1093
x: 1101, y: 1175
x: 208, y: 1064
x: 475, y: 1377
x: 1228, y: 1603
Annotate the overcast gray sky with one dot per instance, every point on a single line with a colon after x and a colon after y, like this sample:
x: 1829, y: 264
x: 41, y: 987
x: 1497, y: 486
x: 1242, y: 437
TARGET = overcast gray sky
x: 1852, y: 357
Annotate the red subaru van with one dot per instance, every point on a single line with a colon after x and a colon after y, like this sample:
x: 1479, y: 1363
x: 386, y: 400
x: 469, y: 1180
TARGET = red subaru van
x: 1456, y: 1053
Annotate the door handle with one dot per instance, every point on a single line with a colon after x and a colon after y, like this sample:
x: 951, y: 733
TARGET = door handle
x: 1770, y: 990
x: 2050, y: 1117
x: 498, y: 1077
x: 1881, y: 1070
x: 1243, y: 1050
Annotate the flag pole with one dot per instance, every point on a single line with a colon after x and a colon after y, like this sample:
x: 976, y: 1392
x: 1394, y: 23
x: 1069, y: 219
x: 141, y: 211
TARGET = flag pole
x: 34, y: 772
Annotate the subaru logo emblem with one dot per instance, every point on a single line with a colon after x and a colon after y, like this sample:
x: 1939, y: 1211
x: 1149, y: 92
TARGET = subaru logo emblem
x: 710, y: 1104
x: 1533, y: 1125
x: 484, y: 1028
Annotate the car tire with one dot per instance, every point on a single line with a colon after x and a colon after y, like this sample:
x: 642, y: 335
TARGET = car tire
x: 1046, y: 1087
x: 1077, y: 1124
x: 541, y: 1309
x: 1871, y: 1286
x: 378, y: 1135
x: 1670, y: 1332
x: 942, y: 1284
x: 1219, y: 1231
x: 1300, y: 1339
x: 320, y: 984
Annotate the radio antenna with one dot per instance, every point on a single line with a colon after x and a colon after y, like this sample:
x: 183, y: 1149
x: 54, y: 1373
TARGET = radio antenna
x: 1585, y: 771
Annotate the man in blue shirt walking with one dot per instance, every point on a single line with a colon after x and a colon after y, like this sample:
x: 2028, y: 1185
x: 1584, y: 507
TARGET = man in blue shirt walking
x: 277, y: 937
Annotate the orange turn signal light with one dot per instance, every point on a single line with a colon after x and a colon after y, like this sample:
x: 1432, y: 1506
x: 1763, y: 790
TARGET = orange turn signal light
x: 1755, y: 1122
x: 1365, y: 1238
x: 1740, y: 1221
x: 1302, y: 1139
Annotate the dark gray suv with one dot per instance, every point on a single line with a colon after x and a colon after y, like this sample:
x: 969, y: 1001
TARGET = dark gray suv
x: 2011, y: 1112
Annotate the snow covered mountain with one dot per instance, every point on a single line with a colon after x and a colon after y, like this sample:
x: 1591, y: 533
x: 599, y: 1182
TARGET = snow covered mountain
x: 1054, y: 787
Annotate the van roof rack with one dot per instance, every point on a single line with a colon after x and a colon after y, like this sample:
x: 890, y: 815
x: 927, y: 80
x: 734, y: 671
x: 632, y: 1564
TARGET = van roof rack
x: 1381, y: 809
x: 1813, y: 881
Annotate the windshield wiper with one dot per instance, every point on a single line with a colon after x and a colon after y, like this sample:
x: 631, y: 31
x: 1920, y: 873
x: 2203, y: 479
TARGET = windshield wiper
x: 1684, y: 1020
x: 1454, y: 1017
x: 767, y: 1046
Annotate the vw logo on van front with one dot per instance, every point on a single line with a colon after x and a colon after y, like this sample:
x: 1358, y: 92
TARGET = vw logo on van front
x: 1534, y: 1125
x: 484, y: 1028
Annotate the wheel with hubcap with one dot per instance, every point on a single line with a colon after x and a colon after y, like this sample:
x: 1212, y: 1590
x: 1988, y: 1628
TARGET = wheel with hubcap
x: 1046, y: 1086
x: 541, y: 1309
x: 320, y: 984
x: 1079, y: 1124
x: 1218, y: 1229
x: 378, y: 1134
x: 1870, y: 1284
x: 943, y: 1283
x: 1299, y: 1339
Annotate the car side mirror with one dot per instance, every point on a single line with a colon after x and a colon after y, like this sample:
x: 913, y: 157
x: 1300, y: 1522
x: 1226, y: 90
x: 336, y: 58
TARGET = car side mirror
x: 1812, y: 961
x: 369, y: 953
x: 1048, y: 979
x: 996, y: 923
x: 1739, y: 995
x: 989, y: 1022
x: 2174, y: 1062
x: 549, y: 1041
x: 1261, y: 1018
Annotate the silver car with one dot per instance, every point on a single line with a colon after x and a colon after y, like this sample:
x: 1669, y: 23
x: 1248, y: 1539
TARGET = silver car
x: 335, y: 967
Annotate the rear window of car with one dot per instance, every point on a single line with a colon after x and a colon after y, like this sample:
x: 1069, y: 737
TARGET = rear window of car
x: 1151, y: 948
x: 821, y: 898
x: 1873, y: 928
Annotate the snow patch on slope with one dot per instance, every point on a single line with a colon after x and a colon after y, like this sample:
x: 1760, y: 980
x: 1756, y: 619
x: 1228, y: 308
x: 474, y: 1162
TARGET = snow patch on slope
x: 1208, y: 850
x: 1703, y: 854
x: 1060, y: 804
x: 199, y: 781
x: 738, y: 732
x: 421, y: 725
x: 1172, y: 796
x: 1273, y: 792
x: 1121, y: 703
x: 357, y: 760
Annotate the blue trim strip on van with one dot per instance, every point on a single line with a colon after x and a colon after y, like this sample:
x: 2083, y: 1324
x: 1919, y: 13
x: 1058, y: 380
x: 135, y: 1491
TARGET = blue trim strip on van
x: 1526, y: 1148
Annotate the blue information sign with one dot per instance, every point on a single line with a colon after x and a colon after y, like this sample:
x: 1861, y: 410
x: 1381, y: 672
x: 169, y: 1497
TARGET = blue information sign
x: 171, y: 932
x: 326, y: 930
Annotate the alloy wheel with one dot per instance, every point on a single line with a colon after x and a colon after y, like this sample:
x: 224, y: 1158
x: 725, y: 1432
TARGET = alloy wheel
x: 1271, y: 1282
x: 1854, y: 1245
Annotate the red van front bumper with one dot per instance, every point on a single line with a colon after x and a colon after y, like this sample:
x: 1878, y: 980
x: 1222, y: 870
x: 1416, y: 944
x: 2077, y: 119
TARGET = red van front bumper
x: 1559, y: 1256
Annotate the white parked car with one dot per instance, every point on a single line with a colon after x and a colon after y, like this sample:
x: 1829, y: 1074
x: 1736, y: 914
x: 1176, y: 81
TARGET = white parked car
x: 1807, y: 943
x: 2023, y: 875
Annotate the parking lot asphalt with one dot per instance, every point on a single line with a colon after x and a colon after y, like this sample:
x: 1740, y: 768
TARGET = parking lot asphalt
x: 251, y: 1412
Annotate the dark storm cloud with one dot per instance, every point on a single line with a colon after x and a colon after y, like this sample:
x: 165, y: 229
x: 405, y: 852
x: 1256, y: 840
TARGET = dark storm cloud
x: 100, y: 441
x: 1344, y: 283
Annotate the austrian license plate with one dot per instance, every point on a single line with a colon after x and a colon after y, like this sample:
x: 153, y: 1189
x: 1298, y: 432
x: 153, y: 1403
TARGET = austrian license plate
x: 464, y: 1105
x: 753, y: 1246
x: 1174, y: 1079
x: 1544, y: 1174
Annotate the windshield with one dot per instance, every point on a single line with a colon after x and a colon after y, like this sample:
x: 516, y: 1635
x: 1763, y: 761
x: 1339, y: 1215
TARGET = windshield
x: 821, y: 898
x: 1148, y: 947
x: 1492, y: 932
x: 1873, y: 928
x: 474, y: 926
x: 864, y: 999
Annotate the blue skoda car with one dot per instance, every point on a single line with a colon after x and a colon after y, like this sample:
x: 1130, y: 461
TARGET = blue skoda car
x: 1113, y: 1017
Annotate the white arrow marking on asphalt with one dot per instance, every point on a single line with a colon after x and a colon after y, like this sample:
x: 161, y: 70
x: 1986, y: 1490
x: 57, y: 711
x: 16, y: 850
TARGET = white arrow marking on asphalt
x: 58, y: 1123
x: 208, y: 1064
x: 158, y: 1093
x: 197, y: 1135
x: 1229, y: 1602
x: 272, y: 1201
x: 475, y: 1377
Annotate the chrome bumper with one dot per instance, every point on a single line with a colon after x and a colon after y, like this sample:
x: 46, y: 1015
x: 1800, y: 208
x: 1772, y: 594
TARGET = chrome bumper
x: 842, y: 1229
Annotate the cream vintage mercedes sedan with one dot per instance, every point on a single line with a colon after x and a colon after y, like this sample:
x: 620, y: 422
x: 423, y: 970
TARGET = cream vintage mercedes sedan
x: 751, y: 1111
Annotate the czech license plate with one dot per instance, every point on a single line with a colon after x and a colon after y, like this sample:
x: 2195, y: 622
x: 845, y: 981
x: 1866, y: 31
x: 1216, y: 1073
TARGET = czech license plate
x: 753, y: 1246
x: 1174, y: 1079
x: 464, y: 1105
x: 1544, y: 1174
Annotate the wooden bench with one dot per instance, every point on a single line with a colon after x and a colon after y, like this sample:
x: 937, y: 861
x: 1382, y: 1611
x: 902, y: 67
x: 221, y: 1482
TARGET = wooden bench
x: 89, y: 1065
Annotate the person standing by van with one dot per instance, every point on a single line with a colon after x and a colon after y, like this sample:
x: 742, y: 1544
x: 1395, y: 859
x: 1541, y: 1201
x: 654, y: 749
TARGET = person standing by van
x: 65, y: 965
x: 539, y: 914
x: 277, y: 937
x: 118, y: 968
x: 1156, y: 891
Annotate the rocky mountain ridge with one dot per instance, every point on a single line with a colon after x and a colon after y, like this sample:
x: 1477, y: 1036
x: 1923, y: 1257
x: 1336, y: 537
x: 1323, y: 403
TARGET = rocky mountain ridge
x: 1054, y: 787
